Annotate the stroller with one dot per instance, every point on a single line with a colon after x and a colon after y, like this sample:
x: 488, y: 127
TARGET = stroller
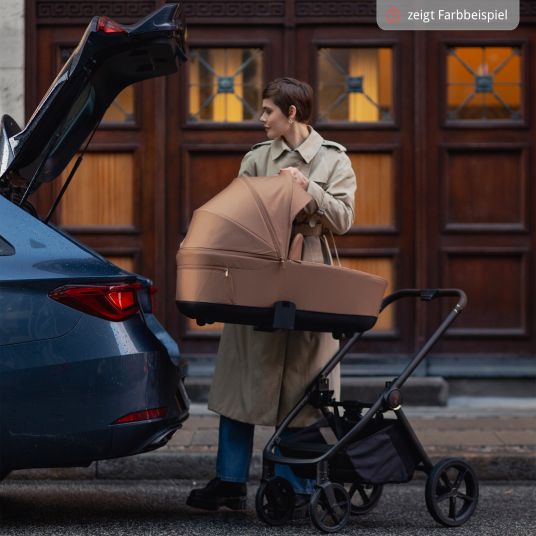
x: 243, y: 237
x: 366, y: 451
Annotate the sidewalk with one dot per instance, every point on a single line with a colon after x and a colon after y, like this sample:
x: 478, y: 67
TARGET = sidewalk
x: 497, y: 435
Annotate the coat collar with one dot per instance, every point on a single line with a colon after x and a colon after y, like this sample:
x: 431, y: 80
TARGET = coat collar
x: 308, y: 148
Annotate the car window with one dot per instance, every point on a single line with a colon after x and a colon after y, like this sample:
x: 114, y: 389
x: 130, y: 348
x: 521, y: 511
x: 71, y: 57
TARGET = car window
x: 6, y: 248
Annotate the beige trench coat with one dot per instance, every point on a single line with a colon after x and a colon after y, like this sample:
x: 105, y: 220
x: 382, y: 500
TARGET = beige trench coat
x: 260, y: 376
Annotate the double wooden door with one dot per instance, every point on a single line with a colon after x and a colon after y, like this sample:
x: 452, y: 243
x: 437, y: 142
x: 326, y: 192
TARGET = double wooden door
x: 438, y: 126
x: 362, y: 100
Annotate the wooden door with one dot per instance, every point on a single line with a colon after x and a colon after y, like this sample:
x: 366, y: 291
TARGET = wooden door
x: 212, y: 121
x: 364, y: 100
x: 478, y: 226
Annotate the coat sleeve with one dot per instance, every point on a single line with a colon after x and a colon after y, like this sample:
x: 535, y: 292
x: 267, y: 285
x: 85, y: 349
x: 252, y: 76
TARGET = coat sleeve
x: 335, y: 203
x: 248, y: 166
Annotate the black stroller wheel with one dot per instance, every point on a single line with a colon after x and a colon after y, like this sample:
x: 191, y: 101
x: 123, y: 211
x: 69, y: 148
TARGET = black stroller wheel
x: 451, y: 492
x: 274, y: 501
x: 364, y: 497
x: 329, y: 508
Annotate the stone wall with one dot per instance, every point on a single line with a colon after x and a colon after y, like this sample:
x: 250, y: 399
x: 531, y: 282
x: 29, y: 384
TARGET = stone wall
x: 12, y: 59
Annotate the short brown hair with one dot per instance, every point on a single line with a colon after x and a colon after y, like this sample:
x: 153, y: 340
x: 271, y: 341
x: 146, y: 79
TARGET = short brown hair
x: 286, y: 92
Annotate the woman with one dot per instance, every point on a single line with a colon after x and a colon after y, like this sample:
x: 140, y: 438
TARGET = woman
x: 260, y: 376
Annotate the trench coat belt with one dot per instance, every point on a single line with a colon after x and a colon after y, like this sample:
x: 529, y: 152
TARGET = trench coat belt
x: 306, y: 230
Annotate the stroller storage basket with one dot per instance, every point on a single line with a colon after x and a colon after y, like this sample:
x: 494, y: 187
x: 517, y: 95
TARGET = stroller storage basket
x: 380, y: 454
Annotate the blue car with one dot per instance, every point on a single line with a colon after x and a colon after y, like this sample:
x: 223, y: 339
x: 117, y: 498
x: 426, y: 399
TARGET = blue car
x: 86, y: 370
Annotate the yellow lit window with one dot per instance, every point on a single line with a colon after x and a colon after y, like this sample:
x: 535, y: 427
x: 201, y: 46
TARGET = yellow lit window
x: 484, y: 83
x: 355, y: 84
x: 225, y: 84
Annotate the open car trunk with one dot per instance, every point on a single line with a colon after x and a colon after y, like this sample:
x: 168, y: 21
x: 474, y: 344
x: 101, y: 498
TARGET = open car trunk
x: 108, y: 58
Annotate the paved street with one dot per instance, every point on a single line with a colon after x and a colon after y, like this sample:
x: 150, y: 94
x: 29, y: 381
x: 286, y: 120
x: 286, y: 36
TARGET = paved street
x: 157, y: 508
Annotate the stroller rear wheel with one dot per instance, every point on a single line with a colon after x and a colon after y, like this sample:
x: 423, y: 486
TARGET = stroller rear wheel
x: 451, y: 492
x: 274, y: 501
x: 329, y: 507
x: 364, y: 497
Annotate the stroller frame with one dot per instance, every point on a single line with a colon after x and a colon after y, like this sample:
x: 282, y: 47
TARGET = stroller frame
x: 449, y: 482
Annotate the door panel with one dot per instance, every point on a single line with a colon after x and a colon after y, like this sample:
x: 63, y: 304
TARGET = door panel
x: 103, y: 196
x: 490, y: 278
x: 479, y: 226
x: 475, y: 180
x: 375, y: 201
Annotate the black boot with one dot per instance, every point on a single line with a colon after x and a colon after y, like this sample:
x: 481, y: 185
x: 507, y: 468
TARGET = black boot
x: 301, y: 506
x: 219, y: 493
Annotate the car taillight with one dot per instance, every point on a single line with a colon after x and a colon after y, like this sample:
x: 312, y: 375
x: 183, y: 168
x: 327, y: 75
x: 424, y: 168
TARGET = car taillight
x: 145, y: 415
x: 112, y: 302
x: 107, y: 25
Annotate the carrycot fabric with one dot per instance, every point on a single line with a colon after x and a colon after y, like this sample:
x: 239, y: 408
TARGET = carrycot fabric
x: 251, y: 216
x: 234, y: 266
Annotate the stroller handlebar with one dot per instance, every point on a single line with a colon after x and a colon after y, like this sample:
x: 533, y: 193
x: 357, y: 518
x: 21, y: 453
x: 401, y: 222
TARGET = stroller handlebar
x: 427, y: 294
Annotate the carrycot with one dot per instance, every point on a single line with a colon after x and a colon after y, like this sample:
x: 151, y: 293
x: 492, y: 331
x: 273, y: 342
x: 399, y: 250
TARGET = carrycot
x: 237, y: 265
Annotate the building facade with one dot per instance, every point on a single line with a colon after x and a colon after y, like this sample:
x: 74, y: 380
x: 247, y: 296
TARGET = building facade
x: 440, y: 127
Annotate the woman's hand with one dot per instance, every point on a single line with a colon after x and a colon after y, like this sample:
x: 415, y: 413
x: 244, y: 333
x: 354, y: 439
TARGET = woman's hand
x: 298, y: 176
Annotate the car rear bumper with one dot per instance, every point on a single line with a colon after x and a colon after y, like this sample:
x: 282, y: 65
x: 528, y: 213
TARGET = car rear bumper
x: 135, y: 438
x: 60, y: 397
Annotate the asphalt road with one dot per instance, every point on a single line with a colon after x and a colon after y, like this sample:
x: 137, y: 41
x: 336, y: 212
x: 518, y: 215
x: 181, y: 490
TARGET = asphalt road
x: 158, y: 508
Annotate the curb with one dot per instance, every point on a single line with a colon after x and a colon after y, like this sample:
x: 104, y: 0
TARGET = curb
x: 202, y: 466
x: 418, y: 391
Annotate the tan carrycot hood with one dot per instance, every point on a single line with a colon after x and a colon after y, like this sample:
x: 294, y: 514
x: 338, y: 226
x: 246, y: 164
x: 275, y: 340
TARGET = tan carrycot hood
x: 253, y: 215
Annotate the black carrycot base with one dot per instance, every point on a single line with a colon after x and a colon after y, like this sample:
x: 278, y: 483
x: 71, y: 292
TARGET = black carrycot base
x: 283, y: 315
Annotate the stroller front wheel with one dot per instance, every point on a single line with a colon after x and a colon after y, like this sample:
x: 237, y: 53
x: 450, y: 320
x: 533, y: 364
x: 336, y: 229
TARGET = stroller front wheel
x: 274, y: 501
x: 329, y: 507
x: 451, y: 492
